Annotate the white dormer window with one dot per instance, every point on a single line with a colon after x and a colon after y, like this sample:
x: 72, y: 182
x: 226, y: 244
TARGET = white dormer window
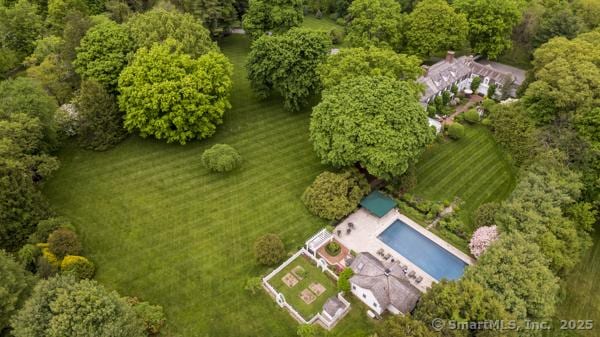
x: 486, y: 80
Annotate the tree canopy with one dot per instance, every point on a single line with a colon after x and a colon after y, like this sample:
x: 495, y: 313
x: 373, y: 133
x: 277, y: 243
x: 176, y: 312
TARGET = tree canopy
x: 358, y: 121
x: 287, y: 64
x: 274, y: 16
x: 14, y: 287
x: 217, y: 16
x: 169, y: 95
x: 20, y: 27
x: 375, y: 23
x: 99, y: 120
x: 435, y: 27
x: 103, y: 52
x: 334, y: 195
x: 518, y: 273
x: 63, y: 307
x: 404, y: 326
x: 373, y: 61
x: 157, y: 25
x: 490, y: 24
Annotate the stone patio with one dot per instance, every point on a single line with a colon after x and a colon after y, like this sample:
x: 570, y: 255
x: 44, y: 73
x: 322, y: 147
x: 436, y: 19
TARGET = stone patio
x: 363, y: 238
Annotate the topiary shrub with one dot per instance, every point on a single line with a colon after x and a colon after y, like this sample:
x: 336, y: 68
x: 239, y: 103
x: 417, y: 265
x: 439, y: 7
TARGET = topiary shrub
x: 456, y: 131
x: 472, y: 116
x: 475, y: 82
x: 221, y: 158
x: 78, y: 266
x: 269, y: 249
x: 333, y: 248
x: 64, y: 242
x: 343, y: 282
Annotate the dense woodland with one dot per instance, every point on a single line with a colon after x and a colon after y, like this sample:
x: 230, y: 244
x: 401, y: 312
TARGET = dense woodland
x: 91, y: 72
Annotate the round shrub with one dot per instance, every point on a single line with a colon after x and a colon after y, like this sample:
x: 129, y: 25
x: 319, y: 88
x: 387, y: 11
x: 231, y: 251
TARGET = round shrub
x: 333, y: 248
x: 78, y: 266
x: 45, y: 227
x: 221, y: 158
x: 153, y: 316
x: 472, y: 116
x: 456, y: 131
x: 269, y: 249
x: 64, y: 242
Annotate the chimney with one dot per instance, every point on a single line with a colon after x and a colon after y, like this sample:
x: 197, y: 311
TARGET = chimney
x: 450, y: 56
x: 425, y: 70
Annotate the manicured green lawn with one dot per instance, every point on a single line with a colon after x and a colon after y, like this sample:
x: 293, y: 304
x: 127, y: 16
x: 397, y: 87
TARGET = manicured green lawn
x: 325, y: 23
x: 473, y: 168
x: 161, y: 227
x: 582, y: 298
x: 313, y: 275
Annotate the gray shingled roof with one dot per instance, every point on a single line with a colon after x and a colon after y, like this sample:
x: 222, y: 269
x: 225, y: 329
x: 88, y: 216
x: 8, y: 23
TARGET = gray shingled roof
x: 441, y: 75
x: 388, y: 284
x: 332, y: 305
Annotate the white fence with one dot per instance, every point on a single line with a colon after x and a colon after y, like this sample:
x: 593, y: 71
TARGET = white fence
x: 280, y: 299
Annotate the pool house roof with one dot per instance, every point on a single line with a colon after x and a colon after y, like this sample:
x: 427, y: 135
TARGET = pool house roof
x: 378, y: 203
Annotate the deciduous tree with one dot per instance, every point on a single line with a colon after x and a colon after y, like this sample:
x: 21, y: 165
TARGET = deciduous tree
x: 269, y: 249
x: 275, y: 16
x: 287, y: 64
x: 14, y: 287
x: 20, y: 27
x: 334, y: 195
x: 217, y: 16
x: 63, y: 307
x: 158, y: 25
x: 373, y: 61
x: 375, y: 23
x: 435, y: 27
x: 518, y: 273
x: 169, y: 95
x: 359, y: 121
x: 490, y: 24
x: 103, y: 52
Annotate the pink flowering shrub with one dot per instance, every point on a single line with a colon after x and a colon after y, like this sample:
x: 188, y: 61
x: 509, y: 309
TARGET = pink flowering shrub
x: 482, y: 239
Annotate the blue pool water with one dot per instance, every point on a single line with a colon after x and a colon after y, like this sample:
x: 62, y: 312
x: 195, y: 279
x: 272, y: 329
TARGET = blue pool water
x: 426, y: 254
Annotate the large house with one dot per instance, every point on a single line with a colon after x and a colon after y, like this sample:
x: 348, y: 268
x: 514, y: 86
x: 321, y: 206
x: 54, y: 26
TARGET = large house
x: 382, y: 287
x: 460, y: 71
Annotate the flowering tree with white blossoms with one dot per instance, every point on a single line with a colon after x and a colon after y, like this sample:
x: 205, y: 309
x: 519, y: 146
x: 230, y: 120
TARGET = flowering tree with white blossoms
x: 482, y: 239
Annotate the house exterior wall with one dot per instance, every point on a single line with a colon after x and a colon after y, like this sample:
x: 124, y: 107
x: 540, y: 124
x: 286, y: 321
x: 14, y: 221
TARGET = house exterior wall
x: 367, y: 297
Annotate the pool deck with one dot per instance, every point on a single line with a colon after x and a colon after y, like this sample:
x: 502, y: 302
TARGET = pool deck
x: 367, y: 228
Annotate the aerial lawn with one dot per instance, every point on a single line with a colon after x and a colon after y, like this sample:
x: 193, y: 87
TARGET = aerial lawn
x: 312, y: 275
x: 474, y: 168
x: 582, y: 296
x: 161, y: 227
x: 324, y: 23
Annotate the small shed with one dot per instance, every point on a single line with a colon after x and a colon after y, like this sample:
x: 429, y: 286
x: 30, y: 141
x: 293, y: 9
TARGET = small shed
x: 378, y: 203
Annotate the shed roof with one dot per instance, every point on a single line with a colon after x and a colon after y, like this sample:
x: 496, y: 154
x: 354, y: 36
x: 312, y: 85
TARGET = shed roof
x: 378, y: 203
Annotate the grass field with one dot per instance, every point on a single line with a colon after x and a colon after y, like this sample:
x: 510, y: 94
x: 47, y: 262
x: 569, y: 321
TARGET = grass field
x: 313, y: 275
x: 325, y: 23
x: 473, y: 168
x: 161, y: 227
x: 582, y: 300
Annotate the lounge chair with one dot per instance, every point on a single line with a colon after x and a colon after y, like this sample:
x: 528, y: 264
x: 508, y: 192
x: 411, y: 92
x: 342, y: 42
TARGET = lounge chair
x: 419, y: 279
x: 350, y: 224
x: 339, y: 232
x: 412, y: 273
x: 348, y: 230
x: 380, y: 251
x: 387, y: 256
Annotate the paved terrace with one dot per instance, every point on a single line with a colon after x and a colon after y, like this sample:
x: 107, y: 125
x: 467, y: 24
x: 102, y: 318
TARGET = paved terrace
x: 367, y: 227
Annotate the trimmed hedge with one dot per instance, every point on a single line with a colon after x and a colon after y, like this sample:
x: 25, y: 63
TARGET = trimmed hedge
x: 78, y: 266
x: 456, y: 131
x: 221, y: 158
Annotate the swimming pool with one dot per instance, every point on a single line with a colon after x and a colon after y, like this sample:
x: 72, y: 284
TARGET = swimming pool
x: 426, y: 254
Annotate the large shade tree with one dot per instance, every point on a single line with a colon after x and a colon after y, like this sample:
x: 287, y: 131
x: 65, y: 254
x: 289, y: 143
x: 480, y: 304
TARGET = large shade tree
x: 170, y: 95
x: 20, y: 27
x: 375, y: 23
x: 518, y: 273
x: 274, y: 16
x: 63, y: 307
x: 287, y: 64
x: 158, y: 25
x: 373, y: 61
x: 103, y: 52
x: 376, y: 122
x: 435, y: 27
x: 217, y: 16
x: 334, y: 195
x: 491, y: 23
